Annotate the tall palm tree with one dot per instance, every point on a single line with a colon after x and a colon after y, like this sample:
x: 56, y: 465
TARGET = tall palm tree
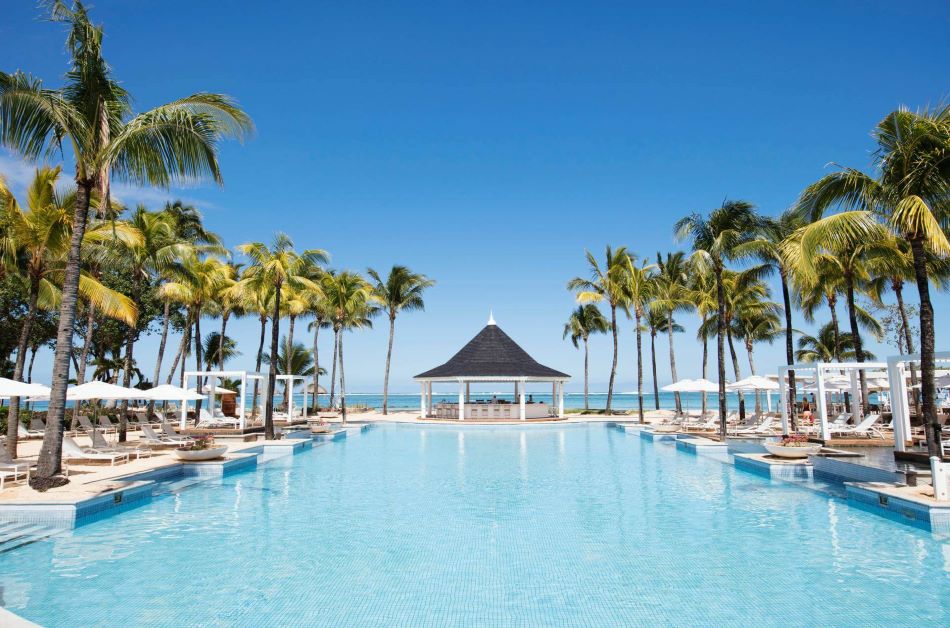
x: 827, y: 346
x: 33, y: 245
x: 401, y: 291
x: 584, y: 321
x: 658, y: 323
x: 909, y: 195
x: 351, y: 301
x: 715, y: 240
x: 321, y: 320
x: 703, y: 294
x: 227, y: 306
x: 605, y: 284
x: 91, y: 115
x: 757, y: 321
x: 640, y: 287
x: 217, y: 350
x: 767, y: 248
x: 293, y: 359
x: 275, y: 267
x: 671, y: 294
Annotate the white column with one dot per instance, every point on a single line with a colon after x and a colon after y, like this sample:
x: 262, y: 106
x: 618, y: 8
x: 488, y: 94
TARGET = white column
x: 822, y: 402
x: 423, y: 404
x: 468, y: 392
x: 521, y: 401
x: 428, y: 399
x: 290, y: 398
x: 855, y: 398
x: 553, y: 397
x: 461, y: 401
x: 783, y: 398
x: 305, y: 404
x: 903, y: 401
x: 560, y: 400
x: 895, y: 375
x: 243, y: 399
x: 184, y: 415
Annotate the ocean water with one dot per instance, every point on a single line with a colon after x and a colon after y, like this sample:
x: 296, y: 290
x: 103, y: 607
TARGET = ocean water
x: 569, y: 525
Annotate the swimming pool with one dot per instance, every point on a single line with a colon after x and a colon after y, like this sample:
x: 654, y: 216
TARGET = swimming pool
x: 486, y: 526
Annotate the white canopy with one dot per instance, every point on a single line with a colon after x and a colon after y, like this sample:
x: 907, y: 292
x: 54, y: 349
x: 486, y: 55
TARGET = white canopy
x: 168, y: 392
x: 101, y: 390
x: 13, y: 388
x: 704, y: 385
x: 753, y: 382
x: 692, y: 385
x: 217, y: 390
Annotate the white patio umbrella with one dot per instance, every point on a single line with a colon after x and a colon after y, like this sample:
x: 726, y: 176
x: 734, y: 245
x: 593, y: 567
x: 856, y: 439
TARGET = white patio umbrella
x: 755, y: 383
x: 13, y: 388
x: 101, y: 391
x: 682, y: 385
x: 692, y: 385
x: 217, y: 390
x: 168, y: 392
x: 704, y: 385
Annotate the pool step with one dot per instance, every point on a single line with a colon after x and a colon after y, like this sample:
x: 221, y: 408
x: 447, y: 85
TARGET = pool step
x: 163, y: 488
x: 14, y: 535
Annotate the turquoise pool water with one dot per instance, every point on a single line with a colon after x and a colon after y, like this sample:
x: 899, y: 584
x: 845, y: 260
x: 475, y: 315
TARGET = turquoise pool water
x: 486, y: 526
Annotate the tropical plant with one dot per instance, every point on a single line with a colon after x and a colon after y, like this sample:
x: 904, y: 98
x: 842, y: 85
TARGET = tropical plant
x: 605, y: 284
x: 274, y: 268
x: 671, y: 294
x: 401, y: 291
x: 91, y: 115
x: 715, y: 240
x: 640, y: 287
x: 584, y: 321
x: 703, y: 294
x: 217, y: 350
x: 293, y: 359
x: 658, y: 323
x: 827, y: 346
x: 33, y: 245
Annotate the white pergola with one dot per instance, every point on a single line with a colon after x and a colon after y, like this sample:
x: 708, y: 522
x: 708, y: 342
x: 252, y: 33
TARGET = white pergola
x: 211, y: 384
x: 820, y: 370
x: 291, y: 381
x: 897, y: 373
x: 464, y: 392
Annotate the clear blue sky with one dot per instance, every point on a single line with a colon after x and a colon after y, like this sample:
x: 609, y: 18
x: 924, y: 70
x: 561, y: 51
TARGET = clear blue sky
x: 489, y: 144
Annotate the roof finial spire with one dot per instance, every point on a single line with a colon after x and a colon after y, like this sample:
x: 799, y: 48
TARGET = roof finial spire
x: 491, y: 317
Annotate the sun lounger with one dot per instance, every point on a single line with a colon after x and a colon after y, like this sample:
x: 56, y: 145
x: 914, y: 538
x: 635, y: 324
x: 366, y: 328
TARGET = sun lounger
x: 206, y: 420
x: 22, y: 432
x: 99, y: 444
x: 106, y: 424
x: 88, y: 427
x: 150, y: 437
x: 9, y: 464
x: 767, y: 426
x: 9, y: 474
x: 37, y: 424
x: 864, y: 428
x: 72, y: 451
x: 169, y: 432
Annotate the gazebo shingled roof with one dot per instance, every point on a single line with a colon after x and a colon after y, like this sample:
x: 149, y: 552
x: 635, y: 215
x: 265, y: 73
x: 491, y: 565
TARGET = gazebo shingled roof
x: 492, y: 353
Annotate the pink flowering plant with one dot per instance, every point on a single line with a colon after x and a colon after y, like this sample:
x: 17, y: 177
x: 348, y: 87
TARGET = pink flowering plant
x: 201, y: 443
x: 795, y: 440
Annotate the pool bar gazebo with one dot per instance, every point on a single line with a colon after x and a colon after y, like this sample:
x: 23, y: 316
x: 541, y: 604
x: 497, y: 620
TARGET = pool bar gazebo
x: 492, y: 356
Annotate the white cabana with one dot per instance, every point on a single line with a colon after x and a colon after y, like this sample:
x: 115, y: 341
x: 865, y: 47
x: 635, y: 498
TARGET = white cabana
x: 290, y: 381
x: 216, y: 390
x: 825, y: 375
x: 210, y: 387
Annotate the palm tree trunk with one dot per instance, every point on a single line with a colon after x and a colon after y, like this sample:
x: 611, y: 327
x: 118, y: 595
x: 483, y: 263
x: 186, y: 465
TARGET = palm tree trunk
x: 13, y: 415
x: 586, y: 374
x: 49, y: 462
x: 676, y: 395
x: 834, y: 326
x: 272, y: 370
x: 389, y: 355
x: 656, y: 386
x: 224, y: 327
x: 927, y: 387
x: 898, y: 287
x: 182, y: 344
x: 613, y: 365
x: 342, y: 383
x: 735, y: 368
x: 316, y: 365
x: 161, y: 354
x: 336, y: 350
x: 290, y: 338
x: 199, y: 383
x: 184, y: 355
x: 705, y: 364
x: 858, y: 348
x: 758, y: 394
x: 257, y: 368
x: 789, y: 349
x: 126, y: 381
x: 639, y: 369
x: 720, y: 351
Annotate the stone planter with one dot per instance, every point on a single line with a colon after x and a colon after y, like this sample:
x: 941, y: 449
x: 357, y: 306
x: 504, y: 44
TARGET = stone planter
x: 199, y: 454
x: 777, y: 449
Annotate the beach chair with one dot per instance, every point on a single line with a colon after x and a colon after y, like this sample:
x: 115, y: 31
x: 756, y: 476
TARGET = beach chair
x: 169, y: 432
x: 9, y: 464
x: 87, y: 425
x: 151, y: 438
x: 765, y: 427
x: 72, y: 451
x: 99, y: 444
x: 106, y: 424
x: 37, y: 424
x: 864, y: 428
x: 10, y: 474
x: 22, y: 432
x: 206, y: 420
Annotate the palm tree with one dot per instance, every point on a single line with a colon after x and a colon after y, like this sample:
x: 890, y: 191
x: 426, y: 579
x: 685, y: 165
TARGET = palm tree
x: 273, y: 268
x: 91, y: 115
x: 757, y: 321
x: 658, y: 323
x: 321, y: 320
x: 218, y: 350
x: 715, y: 240
x: 584, y: 321
x: 909, y: 195
x: 293, y: 359
x: 670, y: 294
x: 401, y: 291
x: 641, y: 284
x: 33, y: 245
x: 227, y: 306
x: 605, y: 284
x: 827, y: 346
x: 703, y: 294
x: 350, y: 300
x: 767, y: 248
